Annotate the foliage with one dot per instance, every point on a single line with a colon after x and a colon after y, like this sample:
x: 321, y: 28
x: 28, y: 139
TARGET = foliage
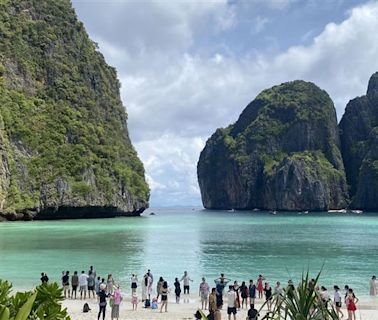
x: 43, y: 303
x: 301, y: 303
x: 60, y: 105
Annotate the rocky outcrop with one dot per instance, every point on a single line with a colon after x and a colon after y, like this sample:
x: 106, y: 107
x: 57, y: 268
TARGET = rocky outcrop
x: 359, y: 145
x: 282, y: 154
x: 65, y: 150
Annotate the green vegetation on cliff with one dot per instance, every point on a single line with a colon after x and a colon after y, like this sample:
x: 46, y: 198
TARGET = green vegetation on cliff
x: 359, y: 142
x: 63, y: 133
x: 282, y: 153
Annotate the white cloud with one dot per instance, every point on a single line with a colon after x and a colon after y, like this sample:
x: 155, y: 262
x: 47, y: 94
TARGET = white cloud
x: 260, y: 24
x: 177, y: 94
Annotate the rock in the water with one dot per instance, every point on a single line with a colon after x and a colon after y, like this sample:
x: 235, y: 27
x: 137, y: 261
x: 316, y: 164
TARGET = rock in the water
x: 282, y: 154
x: 64, y: 145
x: 359, y: 146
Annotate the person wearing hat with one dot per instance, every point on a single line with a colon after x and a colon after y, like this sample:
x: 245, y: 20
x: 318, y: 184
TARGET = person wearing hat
x: 337, y: 301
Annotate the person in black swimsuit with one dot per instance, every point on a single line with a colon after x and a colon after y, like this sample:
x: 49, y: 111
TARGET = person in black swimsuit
x: 268, y: 295
x: 164, y: 297
x: 177, y: 290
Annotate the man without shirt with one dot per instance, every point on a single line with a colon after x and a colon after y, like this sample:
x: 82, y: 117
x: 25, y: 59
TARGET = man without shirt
x: 231, y: 298
x: 83, y: 283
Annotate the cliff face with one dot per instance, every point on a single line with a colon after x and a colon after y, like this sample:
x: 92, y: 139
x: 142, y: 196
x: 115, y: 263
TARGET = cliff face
x: 359, y: 142
x: 64, y: 143
x: 282, y: 153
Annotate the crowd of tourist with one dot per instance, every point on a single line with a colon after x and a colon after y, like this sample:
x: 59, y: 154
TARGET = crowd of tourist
x: 212, y: 299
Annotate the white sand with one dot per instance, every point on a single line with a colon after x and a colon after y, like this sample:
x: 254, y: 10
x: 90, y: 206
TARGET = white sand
x: 367, y: 310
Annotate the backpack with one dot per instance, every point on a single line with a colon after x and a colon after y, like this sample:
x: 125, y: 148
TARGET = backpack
x: 86, y: 307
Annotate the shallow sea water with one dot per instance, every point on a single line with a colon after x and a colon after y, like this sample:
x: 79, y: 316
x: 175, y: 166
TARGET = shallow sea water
x: 205, y: 243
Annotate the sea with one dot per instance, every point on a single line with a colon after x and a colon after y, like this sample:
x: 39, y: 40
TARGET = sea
x: 240, y: 244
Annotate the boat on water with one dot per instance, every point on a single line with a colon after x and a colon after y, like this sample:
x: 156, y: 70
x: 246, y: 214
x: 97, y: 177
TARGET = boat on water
x: 273, y: 212
x: 338, y: 211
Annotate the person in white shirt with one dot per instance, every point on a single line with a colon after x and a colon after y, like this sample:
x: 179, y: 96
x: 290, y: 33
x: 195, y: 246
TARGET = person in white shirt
x: 186, y: 280
x: 231, y: 299
x: 83, y: 284
x: 324, y: 295
x: 337, y: 301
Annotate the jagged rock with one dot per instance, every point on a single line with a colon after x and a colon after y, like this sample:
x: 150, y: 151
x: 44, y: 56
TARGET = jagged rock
x: 359, y: 145
x: 282, y: 154
x: 65, y: 150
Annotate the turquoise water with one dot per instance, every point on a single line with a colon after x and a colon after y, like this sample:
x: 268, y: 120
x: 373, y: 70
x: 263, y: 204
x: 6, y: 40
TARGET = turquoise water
x: 205, y: 243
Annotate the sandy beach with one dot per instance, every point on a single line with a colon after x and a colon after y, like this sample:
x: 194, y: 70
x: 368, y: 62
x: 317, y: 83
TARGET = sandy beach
x: 367, y: 310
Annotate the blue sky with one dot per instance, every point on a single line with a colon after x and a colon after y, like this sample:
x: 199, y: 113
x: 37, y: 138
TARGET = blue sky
x: 189, y: 67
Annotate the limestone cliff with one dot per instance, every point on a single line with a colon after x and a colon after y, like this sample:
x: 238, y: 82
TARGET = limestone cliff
x: 65, y: 151
x: 359, y: 141
x: 282, y: 154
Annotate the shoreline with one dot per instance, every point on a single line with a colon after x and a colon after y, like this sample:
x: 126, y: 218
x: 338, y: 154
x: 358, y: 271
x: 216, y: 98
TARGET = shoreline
x: 366, y: 310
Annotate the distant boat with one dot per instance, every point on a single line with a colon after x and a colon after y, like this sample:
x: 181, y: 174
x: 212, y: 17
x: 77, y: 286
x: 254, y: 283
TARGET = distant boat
x: 256, y: 209
x: 305, y: 211
x: 231, y: 210
x: 273, y: 212
x: 338, y: 211
x: 152, y: 214
x: 357, y: 211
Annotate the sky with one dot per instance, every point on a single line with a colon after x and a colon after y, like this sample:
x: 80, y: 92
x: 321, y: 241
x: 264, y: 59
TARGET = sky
x: 190, y: 67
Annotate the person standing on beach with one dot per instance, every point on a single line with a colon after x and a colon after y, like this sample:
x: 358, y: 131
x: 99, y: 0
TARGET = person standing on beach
x: 231, y: 299
x: 97, y: 286
x: 351, y: 305
x: 204, y: 290
x: 151, y: 276
x: 244, y: 295
x: 109, y: 284
x: 146, y: 287
x: 93, y: 271
x: 83, y: 283
x: 236, y: 289
x: 44, y: 278
x: 373, y: 286
x: 324, y: 295
x: 134, y: 282
x: 213, y: 300
x: 268, y: 295
x: 102, y: 302
x: 164, y: 297
x: 186, y: 280
x: 337, y: 301
x: 134, y: 301
x: 66, y: 284
x: 278, y: 292
x: 159, y: 287
x: 221, y: 282
x: 177, y: 290
x: 252, y: 294
x: 260, y: 286
x: 117, y: 298
x: 91, y: 285
x: 74, y: 284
